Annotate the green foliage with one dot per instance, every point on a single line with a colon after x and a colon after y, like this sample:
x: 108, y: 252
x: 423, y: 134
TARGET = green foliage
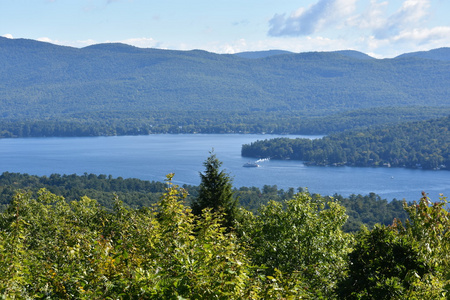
x: 135, y: 193
x: 423, y: 144
x: 295, y: 249
x: 408, y: 261
x: 54, y: 249
x: 57, y: 250
x: 369, y: 210
x: 428, y: 223
x: 216, y: 192
x: 382, y: 265
x: 202, y: 262
x: 302, y: 236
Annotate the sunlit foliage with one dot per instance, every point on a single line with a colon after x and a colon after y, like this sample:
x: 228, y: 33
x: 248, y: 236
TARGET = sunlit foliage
x: 294, y: 249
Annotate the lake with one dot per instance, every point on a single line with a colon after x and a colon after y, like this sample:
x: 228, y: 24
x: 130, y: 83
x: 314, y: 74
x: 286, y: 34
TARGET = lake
x: 152, y: 157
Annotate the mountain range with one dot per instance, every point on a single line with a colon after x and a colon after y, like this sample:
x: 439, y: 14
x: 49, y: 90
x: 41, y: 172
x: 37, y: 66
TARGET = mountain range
x: 40, y: 80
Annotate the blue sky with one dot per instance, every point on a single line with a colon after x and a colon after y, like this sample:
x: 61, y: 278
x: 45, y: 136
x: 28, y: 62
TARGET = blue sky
x: 376, y: 27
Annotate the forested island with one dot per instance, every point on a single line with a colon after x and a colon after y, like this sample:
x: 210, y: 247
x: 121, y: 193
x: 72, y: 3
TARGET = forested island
x: 212, y: 247
x: 423, y: 144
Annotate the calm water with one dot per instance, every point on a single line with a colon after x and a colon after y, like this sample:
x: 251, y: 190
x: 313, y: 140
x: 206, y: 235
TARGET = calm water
x: 152, y: 157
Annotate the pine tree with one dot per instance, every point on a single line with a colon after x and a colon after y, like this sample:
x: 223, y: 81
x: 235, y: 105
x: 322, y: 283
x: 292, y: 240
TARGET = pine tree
x: 216, y: 191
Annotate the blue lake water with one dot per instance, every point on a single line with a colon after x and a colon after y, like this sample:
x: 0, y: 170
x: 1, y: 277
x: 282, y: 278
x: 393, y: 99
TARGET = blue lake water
x: 152, y: 157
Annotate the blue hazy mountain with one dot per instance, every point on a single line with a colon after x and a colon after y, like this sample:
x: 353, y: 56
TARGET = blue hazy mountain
x: 354, y: 54
x: 435, y: 54
x: 39, y: 80
x: 261, y: 54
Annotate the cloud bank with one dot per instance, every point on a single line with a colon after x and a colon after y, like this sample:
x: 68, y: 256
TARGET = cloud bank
x: 372, y: 23
x: 307, y: 21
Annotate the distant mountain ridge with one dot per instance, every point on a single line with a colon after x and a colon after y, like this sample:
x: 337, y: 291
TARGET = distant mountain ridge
x: 354, y: 54
x: 268, y: 53
x: 261, y: 54
x: 40, y: 80
x: 435, y: 54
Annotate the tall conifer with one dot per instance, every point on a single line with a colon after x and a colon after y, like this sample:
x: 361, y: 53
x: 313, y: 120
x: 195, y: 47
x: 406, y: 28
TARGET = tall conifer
x: 216, y: 191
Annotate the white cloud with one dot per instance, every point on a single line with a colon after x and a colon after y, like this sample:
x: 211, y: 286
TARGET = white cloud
x: 83, y: 43
x: 141, y: 42
x: 373, y: 17
x: 8, y: 36
x: 326, y: 13
x: 240, y: 45
x: 411, y: 14
x: 314, y: 18
x: 424, y: 36
x: 47, y: 40
x: 374, y: 28
x: 76, y: 44
x: 404, y: 29
x: 299, y: 44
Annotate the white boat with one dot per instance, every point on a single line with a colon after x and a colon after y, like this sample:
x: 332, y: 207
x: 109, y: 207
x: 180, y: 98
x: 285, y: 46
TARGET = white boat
x: 251, y: 165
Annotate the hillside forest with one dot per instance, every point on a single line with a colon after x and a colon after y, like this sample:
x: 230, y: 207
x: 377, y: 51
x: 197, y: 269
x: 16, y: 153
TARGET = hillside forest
x: 116, y: 89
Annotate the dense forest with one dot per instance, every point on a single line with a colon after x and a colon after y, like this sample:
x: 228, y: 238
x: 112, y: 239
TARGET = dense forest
x: 44, y: 80
x: 115, y: 89
x: 135, y: 193
x: 143, y: 123
x: 291, y: 249
x: 423, y: 144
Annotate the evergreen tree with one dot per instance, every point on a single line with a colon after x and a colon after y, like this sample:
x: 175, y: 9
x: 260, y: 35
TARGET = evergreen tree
x: 216, y: 191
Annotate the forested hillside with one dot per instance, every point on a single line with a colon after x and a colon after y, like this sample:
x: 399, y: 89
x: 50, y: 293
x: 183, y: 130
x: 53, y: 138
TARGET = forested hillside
x: 42, y: 84
x: 424, y: 144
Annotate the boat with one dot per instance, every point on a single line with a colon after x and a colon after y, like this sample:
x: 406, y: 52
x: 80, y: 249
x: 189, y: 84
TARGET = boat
x: 251, y: 165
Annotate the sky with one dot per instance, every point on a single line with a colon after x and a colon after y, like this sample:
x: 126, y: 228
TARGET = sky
x: 380, y: 28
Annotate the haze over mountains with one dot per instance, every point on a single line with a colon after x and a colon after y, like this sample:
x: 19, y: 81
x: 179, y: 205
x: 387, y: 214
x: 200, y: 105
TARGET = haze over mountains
x: 40, y: 80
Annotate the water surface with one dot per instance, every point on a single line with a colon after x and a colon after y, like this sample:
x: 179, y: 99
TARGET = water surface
x: 152, y: 157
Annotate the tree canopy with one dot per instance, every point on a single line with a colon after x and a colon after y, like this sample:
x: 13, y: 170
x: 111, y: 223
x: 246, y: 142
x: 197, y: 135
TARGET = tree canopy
x: 215, y: 191
x: 294, y: 249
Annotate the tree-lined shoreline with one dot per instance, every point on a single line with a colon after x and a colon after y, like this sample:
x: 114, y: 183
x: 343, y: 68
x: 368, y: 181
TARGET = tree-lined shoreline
x: 423, y: 144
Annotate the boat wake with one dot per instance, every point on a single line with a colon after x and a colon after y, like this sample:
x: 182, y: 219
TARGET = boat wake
x: 255, y: 164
